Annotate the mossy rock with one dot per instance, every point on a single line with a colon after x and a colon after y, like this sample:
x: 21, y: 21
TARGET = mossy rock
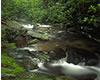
x: 14, y: 25
x: 33, y: 41
x: 9, y: 45
x: 32, y: 76
x: 42, y: 36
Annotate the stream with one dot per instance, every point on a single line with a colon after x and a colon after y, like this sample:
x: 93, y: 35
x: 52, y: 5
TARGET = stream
x: 41, y: 43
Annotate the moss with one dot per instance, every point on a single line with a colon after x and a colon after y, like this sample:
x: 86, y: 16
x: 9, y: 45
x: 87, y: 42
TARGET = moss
x: 32, y: 76
x: 11, y: 45
x: 8, y: 45
x: 9, y: 65
x: 40, y: 77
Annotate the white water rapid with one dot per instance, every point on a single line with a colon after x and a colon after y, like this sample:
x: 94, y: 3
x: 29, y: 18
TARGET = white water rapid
x: 69, y: 70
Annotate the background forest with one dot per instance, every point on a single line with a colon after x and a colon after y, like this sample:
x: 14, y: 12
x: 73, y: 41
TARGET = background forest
x: 58, y: 12
x: 76, y: 14
x: 79, y: 16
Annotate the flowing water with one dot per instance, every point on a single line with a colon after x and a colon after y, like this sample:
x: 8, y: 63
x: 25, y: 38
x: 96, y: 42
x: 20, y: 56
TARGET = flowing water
x: 50, y: 68
x: 68, y: 69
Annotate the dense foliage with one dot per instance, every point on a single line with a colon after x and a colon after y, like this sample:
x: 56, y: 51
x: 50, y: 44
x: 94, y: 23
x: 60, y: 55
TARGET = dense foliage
x: 27, y: 9
x: 81, y: 15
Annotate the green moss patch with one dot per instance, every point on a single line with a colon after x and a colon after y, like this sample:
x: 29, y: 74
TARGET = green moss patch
x: 9, y: 65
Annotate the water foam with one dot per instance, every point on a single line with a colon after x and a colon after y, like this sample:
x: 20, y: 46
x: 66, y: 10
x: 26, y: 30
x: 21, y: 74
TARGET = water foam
x: 69, y: 69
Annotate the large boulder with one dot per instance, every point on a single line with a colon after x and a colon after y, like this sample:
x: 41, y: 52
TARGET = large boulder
x: 77, y: 56
x: 15, y: 31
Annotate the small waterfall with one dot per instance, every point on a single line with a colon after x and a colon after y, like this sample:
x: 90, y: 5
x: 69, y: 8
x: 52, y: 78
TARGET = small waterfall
x: 61, y: 67
x: 42, y: 25
x: 28, y: 26
x: 28, y: 48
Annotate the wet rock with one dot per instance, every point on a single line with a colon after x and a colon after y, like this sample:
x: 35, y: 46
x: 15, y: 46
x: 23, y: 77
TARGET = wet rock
x: 13, y: 33
x: 20, y: 43
x: 39, y: 35
x: 92, y: 62
x: 76, y: 56
x: 28, y: 57
x: 32, y: 76
x: 33, y: 41
x: 22, y: 31
x: 14, y: 25
x: 22, y: 57
x: 8, y: 76
x: 46, y: 29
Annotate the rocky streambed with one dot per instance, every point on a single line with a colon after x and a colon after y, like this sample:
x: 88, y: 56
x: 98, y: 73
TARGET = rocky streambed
x: 39, y: 42
x: 28, y: 49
